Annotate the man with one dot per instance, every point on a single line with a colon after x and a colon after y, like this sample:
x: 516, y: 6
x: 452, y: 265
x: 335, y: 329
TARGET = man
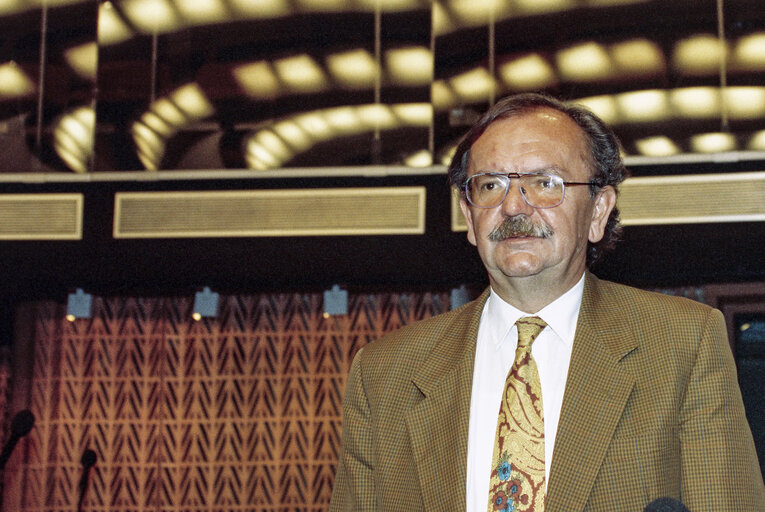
x: 619, y: 396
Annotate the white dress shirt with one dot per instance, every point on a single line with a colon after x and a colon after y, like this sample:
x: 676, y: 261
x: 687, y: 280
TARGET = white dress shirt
x: 494, y: 355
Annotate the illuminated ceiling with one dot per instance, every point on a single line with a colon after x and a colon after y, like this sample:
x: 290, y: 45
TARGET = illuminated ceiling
x: 140, y: 85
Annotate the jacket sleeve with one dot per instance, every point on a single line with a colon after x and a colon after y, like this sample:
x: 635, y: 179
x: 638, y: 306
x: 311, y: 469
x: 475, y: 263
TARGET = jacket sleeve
x: 719, y: 463
x: 354, y: 488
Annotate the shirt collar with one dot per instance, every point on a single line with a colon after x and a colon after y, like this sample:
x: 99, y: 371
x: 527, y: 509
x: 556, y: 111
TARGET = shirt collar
x: 560, y: 315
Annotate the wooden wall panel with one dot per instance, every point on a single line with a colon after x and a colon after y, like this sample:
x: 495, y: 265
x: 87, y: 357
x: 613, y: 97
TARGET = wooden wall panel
x: 240, y: 412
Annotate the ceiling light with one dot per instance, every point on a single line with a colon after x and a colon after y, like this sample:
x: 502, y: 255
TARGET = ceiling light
x: 169, y: 112
x: 376, y: 116
x: 602, y: 106
x: 604, y: 3
x: 713, y: 142
x: 696, y: 102
x: 157, y: 124
x: 261, y: 8
x: 473, y: 86
x: 192, y: 101
x: 274, y: 145
x: 315, y: 125
x: 111, y: 28
x: 410, y: 66
x: 73, y: 138
x: 478, y: 12
x: 584, y: 63
x: 657, y: 146
x: 414, y: 114
x: 151, y: 16
x: 441, y: 20
x: 638, y: 57
x: 13, y: 82
x: 757, y: 142
x: 258, y: 80
x: 421, y: 158
x: 745, y: 102
x: 528, y: 73
x: 13, y: 6
x: 324, y: 5
x: 448, y: 155
x: 260, y: 156
x: 699, y: 55
x: 750, y: 52
x: 542, y: 6
x: 389, y: 5
x: 442, y: 96
x: 643, y: 106
x: 203, y: 11
x: 83, y: 60
x: 344, y: 120
x: 354, y: 69
x: 293, y: 135
x: 301, y: 74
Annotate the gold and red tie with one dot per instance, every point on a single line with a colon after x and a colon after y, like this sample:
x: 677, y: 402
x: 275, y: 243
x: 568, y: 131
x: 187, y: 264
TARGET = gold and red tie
x: 518, y: 463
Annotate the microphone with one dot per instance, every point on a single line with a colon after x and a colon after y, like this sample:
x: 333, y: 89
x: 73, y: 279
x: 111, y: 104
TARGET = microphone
x: 88, y: 460
x: 665, y: 505
x: 21, y: 424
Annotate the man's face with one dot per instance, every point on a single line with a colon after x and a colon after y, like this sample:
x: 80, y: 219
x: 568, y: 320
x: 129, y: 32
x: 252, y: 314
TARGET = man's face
x: 543, y: 140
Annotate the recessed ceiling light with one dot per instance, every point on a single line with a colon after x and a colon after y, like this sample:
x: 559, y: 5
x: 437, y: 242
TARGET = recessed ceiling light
x: 644, y: 106
x: 757, y: 142
x: 410, y: 66
x: 14, y: 83
x: 205, y: 12
x: 638, y: 57
x: 603, y: 106
x: 699, y: 55
x: 473, y: 86
x: 750, y: 52
x: 301, y: 74
x: 696, y: 102
x: 527, y: 73
x: 657, y: 146
x: 745, y: 102
x: 258, y: 80
x: 262, y: 8
x: 354, y: 69
x: 421, y: 158
x: 583, y: 63
x: 111, y: 28
x: 150, y: 16
x: 713, y: 142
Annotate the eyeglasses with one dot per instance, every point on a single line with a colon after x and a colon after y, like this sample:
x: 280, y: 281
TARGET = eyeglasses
x: 489, y: 189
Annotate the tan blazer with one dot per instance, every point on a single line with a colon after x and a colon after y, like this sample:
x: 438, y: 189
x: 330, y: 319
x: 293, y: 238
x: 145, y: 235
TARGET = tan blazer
x: 651, y: 409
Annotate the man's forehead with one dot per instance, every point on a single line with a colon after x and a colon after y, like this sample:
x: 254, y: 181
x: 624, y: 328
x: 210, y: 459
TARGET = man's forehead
x: 541, y: 131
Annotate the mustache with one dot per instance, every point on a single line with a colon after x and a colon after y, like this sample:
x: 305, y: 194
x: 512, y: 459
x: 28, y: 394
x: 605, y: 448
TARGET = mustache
x: 517, y: 226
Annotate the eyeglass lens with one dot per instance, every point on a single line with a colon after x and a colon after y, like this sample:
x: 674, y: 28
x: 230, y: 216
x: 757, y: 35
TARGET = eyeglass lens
x: 539, y: 190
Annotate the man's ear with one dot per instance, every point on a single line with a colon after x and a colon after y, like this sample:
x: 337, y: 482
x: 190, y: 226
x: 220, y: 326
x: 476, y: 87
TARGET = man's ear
x: 468, y: 220
x: 605, y: 202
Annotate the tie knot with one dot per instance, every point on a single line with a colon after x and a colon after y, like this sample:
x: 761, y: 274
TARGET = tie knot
x: 529, y: 328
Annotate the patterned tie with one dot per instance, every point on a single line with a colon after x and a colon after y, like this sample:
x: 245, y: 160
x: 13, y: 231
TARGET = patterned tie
x: 518, y: 464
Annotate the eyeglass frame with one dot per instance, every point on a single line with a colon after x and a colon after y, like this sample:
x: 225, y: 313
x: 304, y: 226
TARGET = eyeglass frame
x: 518, y: 176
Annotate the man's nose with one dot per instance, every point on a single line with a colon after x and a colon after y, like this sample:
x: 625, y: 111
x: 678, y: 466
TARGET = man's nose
x: 514, y: 202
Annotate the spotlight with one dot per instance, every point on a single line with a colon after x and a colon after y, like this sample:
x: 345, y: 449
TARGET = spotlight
x: 78, y: 305
x: 205, y: 304
x: 335, y: 302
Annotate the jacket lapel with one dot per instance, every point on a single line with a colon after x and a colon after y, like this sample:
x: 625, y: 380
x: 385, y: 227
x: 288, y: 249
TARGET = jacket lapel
x: 596, y: 394
x: 438, y: 425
